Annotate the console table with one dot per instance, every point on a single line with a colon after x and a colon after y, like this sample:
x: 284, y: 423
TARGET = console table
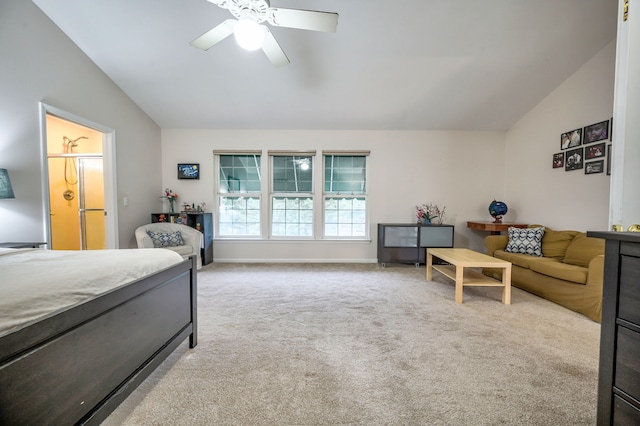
x: 619, y: 370
x: 406, y: 243
x: 494, y: 228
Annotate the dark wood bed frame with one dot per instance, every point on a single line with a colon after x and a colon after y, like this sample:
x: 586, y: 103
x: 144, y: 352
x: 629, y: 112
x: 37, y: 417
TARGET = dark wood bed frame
x: 77, y: 366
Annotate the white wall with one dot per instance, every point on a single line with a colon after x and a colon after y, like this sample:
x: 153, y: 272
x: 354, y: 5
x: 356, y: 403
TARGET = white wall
x: 39, y: 63
x: 462, y: 170
x: 625, y: 177
x: 554, y: 197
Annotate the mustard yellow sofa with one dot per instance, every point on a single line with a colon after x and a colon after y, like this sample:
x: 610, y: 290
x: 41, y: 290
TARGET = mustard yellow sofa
x: 569, y: 273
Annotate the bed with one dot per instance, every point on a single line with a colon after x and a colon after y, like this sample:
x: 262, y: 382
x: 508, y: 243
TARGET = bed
x: 74, y: 363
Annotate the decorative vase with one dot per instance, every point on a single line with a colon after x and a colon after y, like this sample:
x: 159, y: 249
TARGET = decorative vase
x: 171, y: 200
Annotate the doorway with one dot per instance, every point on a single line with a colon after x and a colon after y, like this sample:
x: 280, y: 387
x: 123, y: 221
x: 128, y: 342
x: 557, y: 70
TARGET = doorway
x: 79, y: 185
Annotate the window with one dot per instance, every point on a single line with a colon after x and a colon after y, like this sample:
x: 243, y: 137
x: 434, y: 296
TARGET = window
x: 239, y: 195
x: 345, y: 195
x: 292, y: 195
x: 287, y: 195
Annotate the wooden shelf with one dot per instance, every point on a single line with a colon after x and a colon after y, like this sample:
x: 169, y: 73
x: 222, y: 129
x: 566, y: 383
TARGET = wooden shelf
x: 471, y: 277
x: 494, y: 228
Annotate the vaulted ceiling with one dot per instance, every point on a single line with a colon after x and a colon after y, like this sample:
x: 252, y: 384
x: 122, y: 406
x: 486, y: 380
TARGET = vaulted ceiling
x: 396, y: 65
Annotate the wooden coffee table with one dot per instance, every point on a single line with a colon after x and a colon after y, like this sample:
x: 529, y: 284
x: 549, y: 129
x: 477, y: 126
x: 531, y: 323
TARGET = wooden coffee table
x: 458, y: 269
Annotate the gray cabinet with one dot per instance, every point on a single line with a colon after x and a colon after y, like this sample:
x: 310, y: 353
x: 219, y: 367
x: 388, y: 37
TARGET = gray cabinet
x: 407, y: 243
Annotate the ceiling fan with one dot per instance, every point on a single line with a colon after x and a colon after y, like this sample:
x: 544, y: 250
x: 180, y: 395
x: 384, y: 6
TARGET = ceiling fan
x: 250, y: 14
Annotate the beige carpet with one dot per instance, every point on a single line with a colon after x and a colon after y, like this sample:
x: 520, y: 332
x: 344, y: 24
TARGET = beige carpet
x: 364, y: 345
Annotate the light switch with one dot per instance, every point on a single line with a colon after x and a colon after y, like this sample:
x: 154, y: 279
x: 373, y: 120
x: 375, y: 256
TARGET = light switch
x: 125, y: 201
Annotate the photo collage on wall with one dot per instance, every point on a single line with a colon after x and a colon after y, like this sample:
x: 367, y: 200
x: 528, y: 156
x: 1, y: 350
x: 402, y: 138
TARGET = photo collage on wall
x: 586, y: 148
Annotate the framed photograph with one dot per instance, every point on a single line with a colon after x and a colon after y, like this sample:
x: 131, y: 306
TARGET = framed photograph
x: 571, y: 139
x: 609, y: 159
x: 573, y: 159
x: 592, y: 167
x: 189, y: 171
x: 611, y: 130
x: 558, y: 160
x: 594, y: 151
x: 596, y: 132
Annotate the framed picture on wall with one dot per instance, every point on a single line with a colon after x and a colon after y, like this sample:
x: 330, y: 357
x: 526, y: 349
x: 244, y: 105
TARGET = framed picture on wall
x: 592, y: 167
x: 596, y: 132
x: 573, y: 160
x: 594, y: 151
x: 611, y: 130
x: 558, y: 160
x: 609, y: 159
x: 189, y: 171
x: 571, y: 139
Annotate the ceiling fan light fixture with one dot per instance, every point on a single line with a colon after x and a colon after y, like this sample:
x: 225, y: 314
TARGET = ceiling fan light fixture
x: 248, y: 34
x: 251, y: 34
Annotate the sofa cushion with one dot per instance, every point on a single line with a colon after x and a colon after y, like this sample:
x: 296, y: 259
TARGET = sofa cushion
x: 519, y: 259
x: 562, y: 271
x: 555, y: 243
x: 525, y: 241
x: 162, y: 239
x: 183, y: 251
x: 582, y: 249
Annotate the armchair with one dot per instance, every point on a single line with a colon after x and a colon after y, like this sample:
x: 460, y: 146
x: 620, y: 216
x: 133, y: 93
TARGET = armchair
x: 192, y: 240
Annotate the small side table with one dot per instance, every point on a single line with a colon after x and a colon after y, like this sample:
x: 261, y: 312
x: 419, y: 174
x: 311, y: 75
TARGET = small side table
x: 494, y: 228
x: 28, y: 244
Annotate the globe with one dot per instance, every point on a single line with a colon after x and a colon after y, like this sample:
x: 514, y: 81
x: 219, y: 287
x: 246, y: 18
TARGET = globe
x: 497, y: 209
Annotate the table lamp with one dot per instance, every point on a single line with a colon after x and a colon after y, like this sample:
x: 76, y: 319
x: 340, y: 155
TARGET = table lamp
x: 6, y: 191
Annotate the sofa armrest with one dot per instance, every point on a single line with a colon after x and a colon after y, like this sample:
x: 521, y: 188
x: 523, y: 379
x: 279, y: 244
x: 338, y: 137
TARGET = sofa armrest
x: 495, y: 242
x: 143, y: 239
x: 595, y: 276
x: 194, y: 239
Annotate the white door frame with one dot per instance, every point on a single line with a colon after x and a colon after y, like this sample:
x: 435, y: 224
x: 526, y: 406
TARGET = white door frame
x: 109, y: 170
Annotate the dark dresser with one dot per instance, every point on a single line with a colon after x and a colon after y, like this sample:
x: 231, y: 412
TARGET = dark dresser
x: 619, y: 371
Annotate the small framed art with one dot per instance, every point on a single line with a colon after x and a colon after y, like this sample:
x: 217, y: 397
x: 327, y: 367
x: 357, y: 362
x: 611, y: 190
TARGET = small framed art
x: 593, y: 167
x: 571, y: 139
x: 596, y: 132
x: 189, y: 171
x: 558, y: 160
x: 609, y: 159
x: 594, y: 151
x: 573, y: 159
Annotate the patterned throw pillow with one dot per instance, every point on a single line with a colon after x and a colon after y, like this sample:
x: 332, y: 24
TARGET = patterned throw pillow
x: 525, y: 241
x: 161, y: 239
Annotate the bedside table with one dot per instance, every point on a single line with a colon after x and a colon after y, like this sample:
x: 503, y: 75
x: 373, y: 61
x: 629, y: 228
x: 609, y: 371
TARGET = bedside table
x: 28, y: 244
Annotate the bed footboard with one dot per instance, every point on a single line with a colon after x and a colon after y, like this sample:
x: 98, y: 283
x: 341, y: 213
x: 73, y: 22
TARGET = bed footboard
x: 77, y: 366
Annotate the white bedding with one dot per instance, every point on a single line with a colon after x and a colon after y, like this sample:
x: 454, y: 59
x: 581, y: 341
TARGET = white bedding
x: 36, y: 283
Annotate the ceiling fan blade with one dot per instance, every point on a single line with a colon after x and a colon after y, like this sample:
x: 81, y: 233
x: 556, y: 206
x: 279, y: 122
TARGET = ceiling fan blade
x: 272, y: 49
x: 303, y: 19
x: 207, y: 40
x: 222, y: 3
